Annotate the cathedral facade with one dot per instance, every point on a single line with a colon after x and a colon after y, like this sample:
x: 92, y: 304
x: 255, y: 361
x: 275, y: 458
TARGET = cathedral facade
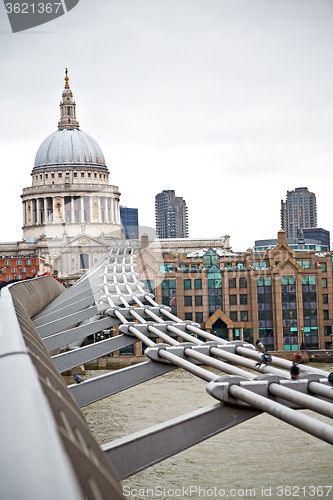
x: 71, y: 212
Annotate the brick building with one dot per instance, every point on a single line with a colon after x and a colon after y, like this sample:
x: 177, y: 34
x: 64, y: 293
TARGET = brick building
x: 18, y: 268
x: 282, y: 296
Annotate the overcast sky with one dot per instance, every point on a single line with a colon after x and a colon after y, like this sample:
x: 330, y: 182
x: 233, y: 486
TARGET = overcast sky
x: 228, y: 102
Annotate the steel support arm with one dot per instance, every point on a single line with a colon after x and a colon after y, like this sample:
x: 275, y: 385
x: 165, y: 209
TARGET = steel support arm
x: 68, y: 309
x: 76, y: 357
x: 304, y: 422
x: 142, y: 449
x: 80, y: 332
x: 66, y: 322
x: 93, y: 390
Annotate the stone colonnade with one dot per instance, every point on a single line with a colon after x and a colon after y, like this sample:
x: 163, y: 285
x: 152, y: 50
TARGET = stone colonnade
x: 70, y: 209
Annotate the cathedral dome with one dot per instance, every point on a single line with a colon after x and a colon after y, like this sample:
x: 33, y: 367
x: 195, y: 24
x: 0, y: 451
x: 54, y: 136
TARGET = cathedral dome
x: 69, y: 148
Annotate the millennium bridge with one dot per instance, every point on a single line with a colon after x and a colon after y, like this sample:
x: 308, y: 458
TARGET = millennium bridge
x: 47, y: 449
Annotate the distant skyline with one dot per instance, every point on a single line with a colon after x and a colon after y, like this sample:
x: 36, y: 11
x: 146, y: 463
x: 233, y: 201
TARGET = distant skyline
x: 228, y: 103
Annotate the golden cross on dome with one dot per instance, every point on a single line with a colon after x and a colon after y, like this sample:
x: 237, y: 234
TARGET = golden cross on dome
x: 66, y: 79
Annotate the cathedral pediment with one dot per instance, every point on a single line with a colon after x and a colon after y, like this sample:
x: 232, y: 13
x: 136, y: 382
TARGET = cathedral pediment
x: 83, y: 240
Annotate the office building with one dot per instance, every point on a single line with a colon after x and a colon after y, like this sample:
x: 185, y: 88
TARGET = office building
x: 299, y: 211
x: 170, y: 215
x: 129, y: 222
x: 282, y: 296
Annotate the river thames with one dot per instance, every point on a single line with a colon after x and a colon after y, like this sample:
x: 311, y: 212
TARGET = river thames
x: 263, y: 457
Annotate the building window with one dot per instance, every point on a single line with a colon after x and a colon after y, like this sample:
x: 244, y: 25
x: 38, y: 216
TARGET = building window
x: 19, y: 276
x: 233, y: 316
x: 325, y: 313
x: 198, y: 300
x: 242, y: 282
x: 328, y: 330
x: 325, y: 298
x: 323, y: 267
x: 150, y: 284
x: 199, y: 317
x: 304, y: 263
x: 46, y: 176
x: 74, y: 174
x: 28, y: 262
x: 14, y: 269
x: 187, y: 284
x: 59, y: 174
x: 309, y: 280
x: 188, y: 316
x: 210, y: 258
x: 265, y: 311
x: 19, y: 263
x: 84, y: 261
x: 52, y: 176
x: 243, y: 299
x: 324, y: 282
x: 89, y: 174
x: 259, y: 265
x: 309, y: 296
x: 7, y: 262
x: 214, y: 275
x: 23, y: 269
x: 9, y: 277
x: 187, y: 300
x: 232, y: 282
x: 95, y: 176
x: 198, y: 284
x: 82, y: 174
x: 244, y: 315
x: 169, y: 294
x: 233, y: 300
x: 167, y: 268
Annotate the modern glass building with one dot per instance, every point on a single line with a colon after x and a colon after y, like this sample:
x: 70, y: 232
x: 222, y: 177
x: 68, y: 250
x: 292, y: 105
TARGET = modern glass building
x: 129, y: 222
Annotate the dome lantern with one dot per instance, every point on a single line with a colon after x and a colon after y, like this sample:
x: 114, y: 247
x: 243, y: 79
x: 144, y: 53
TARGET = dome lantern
x: 67, y: 108
x: 69, y: 146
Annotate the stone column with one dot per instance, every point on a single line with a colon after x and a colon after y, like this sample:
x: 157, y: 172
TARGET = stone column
x: 72, y: 210
x: 63, y: 209
x: 99, y: 209
x: 117, y: 211
x: 38, y: 221
x: 111, y: 210
x: 230, y: 334
x: 24, y: 212
x: 81, y: 209
x: 106, y: 210
x: 45, y: 211
x: 53, y: 210
x: 40, y: 207
x: 241, y: 333
x: 35, y: 211
x: 90, y: 210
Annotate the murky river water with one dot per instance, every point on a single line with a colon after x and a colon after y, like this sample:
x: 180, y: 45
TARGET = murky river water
x: 260, y: 458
